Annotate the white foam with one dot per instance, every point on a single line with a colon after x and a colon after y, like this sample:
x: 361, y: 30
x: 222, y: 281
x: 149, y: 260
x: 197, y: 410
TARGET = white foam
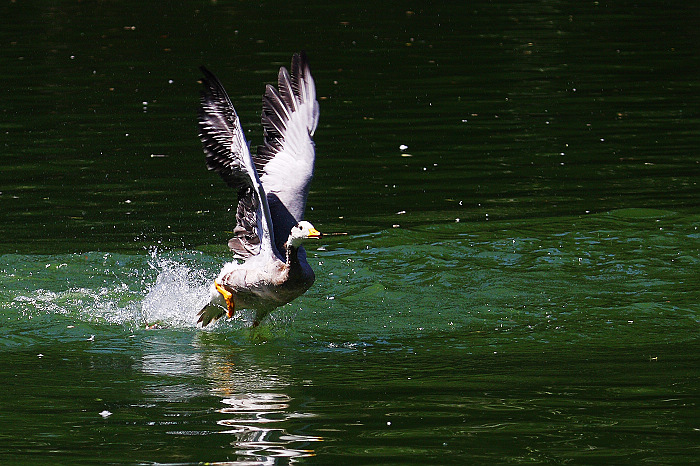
x: 179, y: 291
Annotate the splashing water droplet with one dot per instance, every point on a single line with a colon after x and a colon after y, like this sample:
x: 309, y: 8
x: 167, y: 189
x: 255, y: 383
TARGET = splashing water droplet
x: 177, y: 294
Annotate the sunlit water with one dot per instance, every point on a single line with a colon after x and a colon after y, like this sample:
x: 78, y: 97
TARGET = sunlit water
x: 518, y: 282
x: 412, y: 343
x: 498, y: 276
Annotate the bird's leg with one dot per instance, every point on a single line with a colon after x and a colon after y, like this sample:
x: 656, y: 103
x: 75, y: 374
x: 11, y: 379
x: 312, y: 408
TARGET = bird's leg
x: 228, y: 297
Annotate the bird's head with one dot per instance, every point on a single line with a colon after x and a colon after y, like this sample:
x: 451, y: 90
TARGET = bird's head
x: 302, y: 231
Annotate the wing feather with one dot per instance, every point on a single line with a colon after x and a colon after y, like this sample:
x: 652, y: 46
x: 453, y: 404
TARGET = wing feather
x: 221, y: 134
x: 286, y: 89
x: 227, y: 152
x: 275, y: 120
x: 286, y: 159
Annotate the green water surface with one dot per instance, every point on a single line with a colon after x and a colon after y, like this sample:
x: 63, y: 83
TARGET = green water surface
x: 518, y: 284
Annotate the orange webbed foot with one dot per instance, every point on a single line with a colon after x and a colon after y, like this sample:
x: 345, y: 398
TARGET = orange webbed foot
x: 228, y: 297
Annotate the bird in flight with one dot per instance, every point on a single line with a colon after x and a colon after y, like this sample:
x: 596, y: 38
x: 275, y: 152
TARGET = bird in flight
x: 272, y: 186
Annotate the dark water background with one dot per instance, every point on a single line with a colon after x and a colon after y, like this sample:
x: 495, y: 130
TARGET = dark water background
x: 518, y: 285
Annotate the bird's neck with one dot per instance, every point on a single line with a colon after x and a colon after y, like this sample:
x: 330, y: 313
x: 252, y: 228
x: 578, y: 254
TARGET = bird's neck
x: 300, y: 275
x: 292, y: 253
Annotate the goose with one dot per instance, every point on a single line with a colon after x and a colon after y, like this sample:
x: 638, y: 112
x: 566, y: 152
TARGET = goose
x: 271, y: 268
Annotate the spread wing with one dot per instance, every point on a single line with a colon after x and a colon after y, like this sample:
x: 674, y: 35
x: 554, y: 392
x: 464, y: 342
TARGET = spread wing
x: 286, y: 159
x: 228, y: 154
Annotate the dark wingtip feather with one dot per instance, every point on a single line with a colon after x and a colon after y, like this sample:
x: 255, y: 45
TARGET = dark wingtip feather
x: 226, y: 151
x: 213, y: 89
x: 300, y: 66
x: 279, y: 104
x: 217, y: 121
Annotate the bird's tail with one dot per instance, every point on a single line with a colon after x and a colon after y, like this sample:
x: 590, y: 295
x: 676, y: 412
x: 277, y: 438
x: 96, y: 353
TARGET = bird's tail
x: 210, y: 313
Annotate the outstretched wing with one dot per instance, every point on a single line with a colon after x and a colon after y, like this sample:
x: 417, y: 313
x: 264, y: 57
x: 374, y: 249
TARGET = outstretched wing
x: 228, y: 154
x: 286, y: 159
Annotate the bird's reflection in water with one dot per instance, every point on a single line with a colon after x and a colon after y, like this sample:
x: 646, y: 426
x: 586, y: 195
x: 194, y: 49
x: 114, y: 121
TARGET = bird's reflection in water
x: 256, y: 410
x: 254, y: 406
x: 255, y: 419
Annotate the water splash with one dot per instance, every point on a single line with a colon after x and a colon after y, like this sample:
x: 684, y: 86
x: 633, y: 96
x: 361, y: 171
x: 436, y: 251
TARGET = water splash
x: 98, y: 288
x: 114, y: 305
x: 180, y: 290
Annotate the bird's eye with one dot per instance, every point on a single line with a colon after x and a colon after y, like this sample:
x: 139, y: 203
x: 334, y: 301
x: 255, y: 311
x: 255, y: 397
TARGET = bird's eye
x: 299, y: 227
